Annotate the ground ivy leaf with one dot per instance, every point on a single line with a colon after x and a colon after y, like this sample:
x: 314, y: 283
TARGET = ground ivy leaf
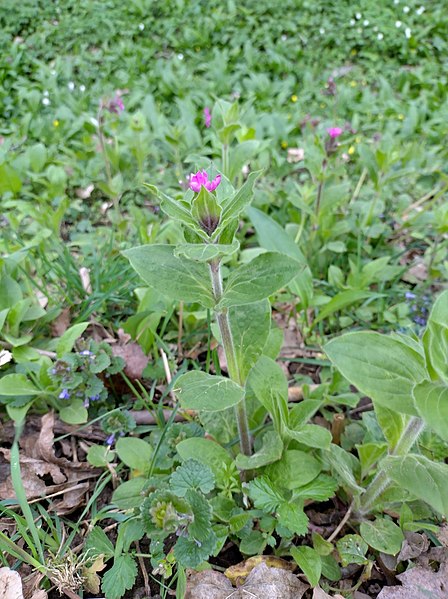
x: 264, y: 495
x: 120, y: 578
x: 190, y: 553
x: 192, y: 475
x: 199, y: 529
x: 352, y: 550
x: 292, y: 516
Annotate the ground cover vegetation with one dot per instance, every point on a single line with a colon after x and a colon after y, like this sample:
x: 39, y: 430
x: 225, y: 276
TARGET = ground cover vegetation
x: 223, y: 304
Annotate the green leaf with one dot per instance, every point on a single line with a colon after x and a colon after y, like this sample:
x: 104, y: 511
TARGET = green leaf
x: 382, y: 367
x: 309, y: 562
x: 67, y: 340
x: 200, y: 527
x: 135, y: 453
x: 206, y: 211
x: 192, y: 475
x: 382, y: 535
x: 177, y: 278
x: 392, y: 424
x: 431, y: 401
x: 9, y: 179
x: 422, y: 477
x: 190, y: 553
x: 271, y: 451
x: 268, y: 382
x: 311, y: 435
x: 201, y: 391
x: 100, y: 455
x: 330, y: 568
x: 321, y: 545
x: 204, y: 252
x: 319, y: 489
x: 207, y: 452
x: 344, y: 465
x: 342, y: 300
x: 291, y: 516
x: 435, y: 338
x: 120, y: 578
x: 295, y: 469
x: 128, y: 495
x: 352, y: 550
x: 264, y: 494
x: 175, y: 209
x: 233, y: 207
x: 369, y: 454
x: 17, y: 384
x: 99, y: 543
x: 260, y: 278
x: 75, y: 413
x: 272, y: 237
x: 10, y: 292
x: 253, y: 544
x: 250, y: 325
x: 38, y: 157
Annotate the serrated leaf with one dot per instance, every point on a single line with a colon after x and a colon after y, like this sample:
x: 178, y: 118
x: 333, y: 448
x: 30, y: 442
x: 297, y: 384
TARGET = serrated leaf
x: 382, y: 367
x: 271, y: 451
x: 319, y: 489
x: 264, y: 495
x: 176, y: 278
x: 292, y: 516
x: 207, y: 452
x: 382, y: 535
x: 199, y: 529
x: 352, y: 550
x: 192, y: 475
x: 120, y: 578
x: 190, y: 553
x: 201, y: 391
x: 309, y: 562
x: 257, y: 280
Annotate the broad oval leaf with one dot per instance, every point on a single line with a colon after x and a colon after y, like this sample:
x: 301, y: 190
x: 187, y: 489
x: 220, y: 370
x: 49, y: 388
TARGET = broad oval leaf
x: 431, y: 401
x: 175, y: 277
x: 268, y: 382
x: 270, y: 451
x: 208, y: 452
x: 383, y: 535
x: 259, y: 279
x: 135, y: 453
x: 204, y: 252
x: 201, y: 391
x: 17, y: 384
x: 382, y: 367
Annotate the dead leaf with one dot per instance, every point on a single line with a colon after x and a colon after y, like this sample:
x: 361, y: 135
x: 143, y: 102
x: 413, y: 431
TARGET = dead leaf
x: 442, y: 535
x: 84, y: 275
x: 38, y: 462
x: 420, y: 582
x: 5, y: 357
x: 413, y: 545
x: 91, y: 579
x: 237, y: 574
x: 135, y: 358
x: 10, y: 584
x: 295, y: 155
x: 40, y: 594
x: 86, y: 192
x: 262, y: 582
x: 61, y: 323
x: 318, y: 593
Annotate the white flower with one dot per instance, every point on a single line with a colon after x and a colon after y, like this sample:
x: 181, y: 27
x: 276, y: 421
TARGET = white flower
x: 420, y: 10
x: 46, y: 101
x: 322, y: 31
x: 82, y: 88
x: 375, y: 28
x: 71, y: 85
x: 141, y: 26
x: 407, y: 33
x: 358, y: 15
x: 352, y: 22
x: 380, y: 36
x: 53, y: 72
x: 396, y: 1
x: 398, y: 24
x: 94, y: 121
x: 284, y: 38
x: 365, y: 23
x: 180, y: 56
x: 406, y: 9
x: 46, y: 93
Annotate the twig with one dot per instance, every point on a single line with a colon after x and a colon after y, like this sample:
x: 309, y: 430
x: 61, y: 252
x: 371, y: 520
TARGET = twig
x: 341, y: 524
x: 141, y: 562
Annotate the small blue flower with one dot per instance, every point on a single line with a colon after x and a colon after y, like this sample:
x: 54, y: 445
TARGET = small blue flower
x: 94, y: 397
x: 409, y: 295
x: 64, y: 394
x: 85, y: 352
x: 110, y: 439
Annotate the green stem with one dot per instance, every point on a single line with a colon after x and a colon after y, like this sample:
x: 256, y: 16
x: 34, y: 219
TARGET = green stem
x: 222, y: 317
x: 382, y: 481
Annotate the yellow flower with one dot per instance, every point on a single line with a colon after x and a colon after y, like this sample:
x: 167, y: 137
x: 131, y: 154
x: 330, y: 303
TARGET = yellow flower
x: 358, y: 140
x: 353, y: 84
x: 284, y: 144
x: 400, y: 117
x: 294, y: 98
x: 351, y: 150
x: 55, y: 123
x: 354, y: 52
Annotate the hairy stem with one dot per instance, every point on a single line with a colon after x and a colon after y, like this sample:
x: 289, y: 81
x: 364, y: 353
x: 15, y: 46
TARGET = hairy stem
x: 381, y: 481
x: 222, y: 318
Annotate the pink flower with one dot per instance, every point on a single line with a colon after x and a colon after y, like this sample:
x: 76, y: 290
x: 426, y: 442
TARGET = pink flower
x: 207, y: 117
x: 334, y: 132
x: 115, y: 105
x: 200, y: 179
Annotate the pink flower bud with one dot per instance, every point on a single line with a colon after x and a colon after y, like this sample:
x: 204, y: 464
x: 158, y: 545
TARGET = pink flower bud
x: 334, y: 132
x: 200, y: 179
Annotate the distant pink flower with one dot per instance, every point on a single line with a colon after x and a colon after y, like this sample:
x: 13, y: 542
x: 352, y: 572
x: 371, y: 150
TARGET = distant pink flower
x: 334, y: 132
x: 115, y: 105
x: 207, y: 117
x: 200, y: 179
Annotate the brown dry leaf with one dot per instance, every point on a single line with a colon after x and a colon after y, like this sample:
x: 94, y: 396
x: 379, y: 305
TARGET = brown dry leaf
x: 237, y: 574
x: 38, y: 460
x: 135, y: 359
x: 442, y: 535
x: 318, y: 593
x: 40, y: 594
x: 295, y: 155
x: 86, y: 192
x: 420, y: 582
x: 61, y: 323
x: 413, y: 545
x: 84, y: 275
x: 10, y: 584
x: 263, y: 583
x: 91, y: 579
